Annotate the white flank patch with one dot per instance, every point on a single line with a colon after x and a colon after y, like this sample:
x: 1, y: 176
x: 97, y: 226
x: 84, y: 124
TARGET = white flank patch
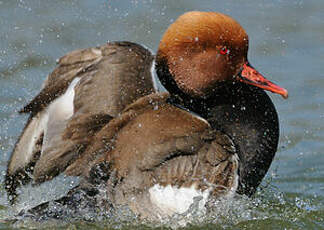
x: 62, y: 107
x: 58, y: 112
x: 171, y: 200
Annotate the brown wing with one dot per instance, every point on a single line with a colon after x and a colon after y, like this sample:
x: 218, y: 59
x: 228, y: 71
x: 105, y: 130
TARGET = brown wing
x: 54, y: 86
x: 154, y: 142
x: 109, y: 78
x: 69, y: 67
x: 167, y: 145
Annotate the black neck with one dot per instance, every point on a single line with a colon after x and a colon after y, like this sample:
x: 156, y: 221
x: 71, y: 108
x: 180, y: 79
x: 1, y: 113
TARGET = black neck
x: 249, y: 117
x: 246, y: 114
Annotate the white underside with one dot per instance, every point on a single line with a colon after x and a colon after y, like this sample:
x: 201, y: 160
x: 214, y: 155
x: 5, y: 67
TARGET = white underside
x: 171, y: 200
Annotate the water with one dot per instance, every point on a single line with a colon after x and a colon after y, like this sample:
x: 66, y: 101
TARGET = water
x: 286, y: 45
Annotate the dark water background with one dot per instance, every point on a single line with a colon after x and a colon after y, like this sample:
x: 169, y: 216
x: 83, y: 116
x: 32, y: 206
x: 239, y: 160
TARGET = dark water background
x: 286, y: 45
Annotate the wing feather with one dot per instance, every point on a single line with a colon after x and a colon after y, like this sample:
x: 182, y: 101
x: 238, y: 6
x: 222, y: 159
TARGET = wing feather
x: 87, y: 89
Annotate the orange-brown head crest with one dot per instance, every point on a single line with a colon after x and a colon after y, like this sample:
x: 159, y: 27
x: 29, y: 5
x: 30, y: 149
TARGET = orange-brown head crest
x: 201, y: 49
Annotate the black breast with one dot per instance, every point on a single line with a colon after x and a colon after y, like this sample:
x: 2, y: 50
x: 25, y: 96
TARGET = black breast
x: 247, y: 114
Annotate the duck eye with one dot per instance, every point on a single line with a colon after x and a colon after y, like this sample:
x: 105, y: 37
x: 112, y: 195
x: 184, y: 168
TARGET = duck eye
x: 224, y: 51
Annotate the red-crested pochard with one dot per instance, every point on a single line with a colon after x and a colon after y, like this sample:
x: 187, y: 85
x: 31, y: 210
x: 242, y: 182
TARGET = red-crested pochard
x: 215, y: 133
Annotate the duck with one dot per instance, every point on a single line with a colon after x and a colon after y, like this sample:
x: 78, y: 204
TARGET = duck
x: 214, y: 133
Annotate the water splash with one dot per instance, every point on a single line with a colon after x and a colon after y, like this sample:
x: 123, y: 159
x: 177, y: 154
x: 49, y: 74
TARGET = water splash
x: 268, y: 206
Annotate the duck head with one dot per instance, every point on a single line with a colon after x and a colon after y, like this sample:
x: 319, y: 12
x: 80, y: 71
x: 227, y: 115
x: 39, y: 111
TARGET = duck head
x: 202, y: 50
